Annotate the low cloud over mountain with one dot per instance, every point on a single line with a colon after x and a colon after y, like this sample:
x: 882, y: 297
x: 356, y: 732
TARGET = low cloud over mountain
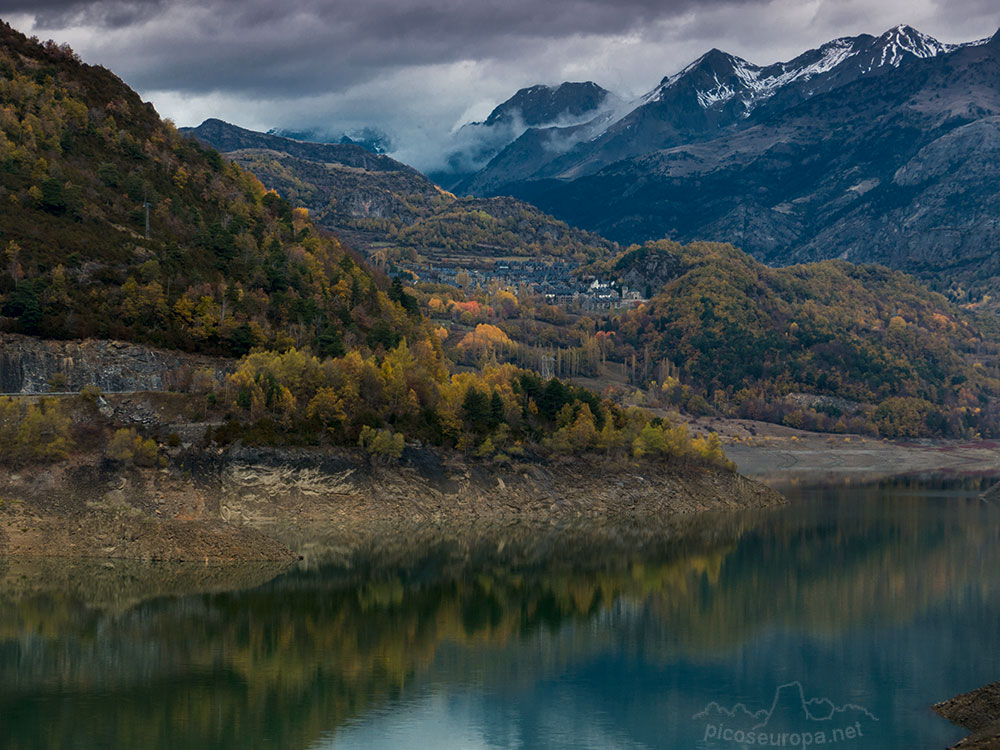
x: 419, y: 68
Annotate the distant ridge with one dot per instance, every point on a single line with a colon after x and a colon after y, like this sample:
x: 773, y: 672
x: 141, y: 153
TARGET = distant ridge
x: 226, y: 137
x: 373, y: 198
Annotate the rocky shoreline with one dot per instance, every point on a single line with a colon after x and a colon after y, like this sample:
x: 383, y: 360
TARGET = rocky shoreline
x: 208, y: 505
x: 264, y: 485
x: 979, y: 712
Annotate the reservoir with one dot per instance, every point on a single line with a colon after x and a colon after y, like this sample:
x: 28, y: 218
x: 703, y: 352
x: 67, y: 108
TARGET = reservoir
x: 843, y: 615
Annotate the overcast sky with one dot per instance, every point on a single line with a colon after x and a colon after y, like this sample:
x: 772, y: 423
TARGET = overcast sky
x: 418, y: 68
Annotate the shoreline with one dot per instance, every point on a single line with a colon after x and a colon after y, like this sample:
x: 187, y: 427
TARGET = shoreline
x: 205, y: 503
x: 781, y: 456
x: 977, y: 711
x: 211, y: 506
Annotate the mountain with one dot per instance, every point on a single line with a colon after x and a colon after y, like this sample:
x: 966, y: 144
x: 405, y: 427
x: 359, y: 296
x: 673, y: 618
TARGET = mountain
x: 895, y: 168
x: 370, y: 139
x: 224, y: 266
x: 338, y: 195
x: 565, y: 106
x: 228, y: 267
x: 226, y: 137
x: 376, y: 200
x: 715, y: 93
x: 541, y: 105
x: 338, y: 183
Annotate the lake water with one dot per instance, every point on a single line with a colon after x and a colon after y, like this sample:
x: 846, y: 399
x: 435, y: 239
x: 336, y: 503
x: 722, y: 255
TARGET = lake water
x: 836, y: 621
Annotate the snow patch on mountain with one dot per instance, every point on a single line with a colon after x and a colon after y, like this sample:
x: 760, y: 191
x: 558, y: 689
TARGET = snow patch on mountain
x: 754, y: 84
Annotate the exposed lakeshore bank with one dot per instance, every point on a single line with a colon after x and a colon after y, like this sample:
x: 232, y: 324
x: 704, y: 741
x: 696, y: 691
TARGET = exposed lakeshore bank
x: 977, y: 711
x: 208, y: 503
x: 217, y: 505
x: 781, y: 456
x: 206, y: 506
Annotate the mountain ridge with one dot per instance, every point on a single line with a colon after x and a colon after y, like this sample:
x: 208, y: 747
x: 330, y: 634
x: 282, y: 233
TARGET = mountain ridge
x: 567, y: 105
x: 225, y: 136
x: 393, y: 203
x: 891, y: 168
x: 717, y: 91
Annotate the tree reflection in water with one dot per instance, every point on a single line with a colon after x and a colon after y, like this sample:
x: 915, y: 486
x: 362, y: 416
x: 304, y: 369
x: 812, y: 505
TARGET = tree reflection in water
x: 189, y: 656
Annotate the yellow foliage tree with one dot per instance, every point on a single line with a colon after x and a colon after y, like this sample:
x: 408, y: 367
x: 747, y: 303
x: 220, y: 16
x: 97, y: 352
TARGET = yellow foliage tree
x: 128, y: 446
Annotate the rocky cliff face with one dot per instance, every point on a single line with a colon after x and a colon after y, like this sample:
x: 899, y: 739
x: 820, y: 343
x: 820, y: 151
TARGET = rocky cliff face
x: 29, y: 365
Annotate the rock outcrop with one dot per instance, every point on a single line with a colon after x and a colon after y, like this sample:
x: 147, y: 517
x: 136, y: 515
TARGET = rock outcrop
x: 979, y: 712
x: 30, y: 365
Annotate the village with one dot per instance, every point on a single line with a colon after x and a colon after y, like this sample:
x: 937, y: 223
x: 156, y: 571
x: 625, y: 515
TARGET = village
x: 559, y: 282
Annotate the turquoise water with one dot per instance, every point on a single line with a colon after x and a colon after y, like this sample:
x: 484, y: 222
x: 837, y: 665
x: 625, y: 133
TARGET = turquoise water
x: 856, y: 608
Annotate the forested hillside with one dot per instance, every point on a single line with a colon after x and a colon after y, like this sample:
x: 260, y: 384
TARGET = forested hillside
x: 392, y: 207
x: 874, y: 349
x: 339, y: 354
x: 227, y: 265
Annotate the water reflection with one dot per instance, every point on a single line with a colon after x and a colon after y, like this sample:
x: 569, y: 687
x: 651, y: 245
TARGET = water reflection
x: 516, y: 636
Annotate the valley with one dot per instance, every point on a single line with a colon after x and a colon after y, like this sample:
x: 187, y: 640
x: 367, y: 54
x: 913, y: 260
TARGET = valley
x: 274, y: 334
x: 620, y: 410
x: 505, y: 282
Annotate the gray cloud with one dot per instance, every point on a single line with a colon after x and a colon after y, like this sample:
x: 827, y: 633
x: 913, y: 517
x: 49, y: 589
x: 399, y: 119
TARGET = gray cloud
x: 388, y: 18
x: 257, y: 46
x: 416, y: 68
x: 107, y: 14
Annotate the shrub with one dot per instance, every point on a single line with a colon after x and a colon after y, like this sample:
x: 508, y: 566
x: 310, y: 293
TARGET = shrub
x: 381, y: 444
x: 91, y: 392
x: 33, y: 432
x: 128, y: 446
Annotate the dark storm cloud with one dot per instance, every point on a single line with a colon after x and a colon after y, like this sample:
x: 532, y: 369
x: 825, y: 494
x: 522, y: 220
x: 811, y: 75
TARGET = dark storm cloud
x: 262, y: 46
x: 387, y: 18
x: 273, y: 48
x: 108, y: 14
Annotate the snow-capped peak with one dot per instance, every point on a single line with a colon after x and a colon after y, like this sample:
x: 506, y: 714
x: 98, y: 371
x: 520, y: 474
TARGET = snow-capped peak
x: 733, y: 76
x: 900, y: 40
x: 719, y: 77
x: 717, y: 74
